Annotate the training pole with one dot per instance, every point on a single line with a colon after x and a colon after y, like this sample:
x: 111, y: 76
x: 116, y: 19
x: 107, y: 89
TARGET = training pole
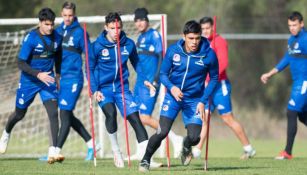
x: 89, y: 91
x: 163, y: 54
x: 122, y: 87
x: 209, y: 104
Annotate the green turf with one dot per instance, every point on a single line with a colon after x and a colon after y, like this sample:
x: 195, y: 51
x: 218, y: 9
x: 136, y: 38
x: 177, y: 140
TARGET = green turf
x: 223, y: 159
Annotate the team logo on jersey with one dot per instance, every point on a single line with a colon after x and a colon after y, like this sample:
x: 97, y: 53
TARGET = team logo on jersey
x: 151, y: 48
x: 165, y: 108
x: 292, y: 102
x: 296, y: 45
x: 176, y: 58
x: 200, y: 62
x: 197, y: 115
x: 125, y: 51
x: 105, y: 52
x: 74, y: 87
x: 143, y: 106
x: 39, y: 46
x: 143, y: 40
x: 21, y: 101
x: 63, y: 102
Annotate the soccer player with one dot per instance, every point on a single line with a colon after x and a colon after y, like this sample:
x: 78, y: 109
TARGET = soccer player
x: 183, y: 72
x: 71, y: 82
x: 106, y: 84
x: 40, y: 51
x: 149, y: 47
x: 221, y: 97
x: 296, y: 58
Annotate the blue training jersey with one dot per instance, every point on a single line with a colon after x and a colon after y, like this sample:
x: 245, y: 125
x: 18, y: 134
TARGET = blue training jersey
x: 103, y: 62
x: 38, y: 54
x: 296, y: 57
x: 149, y: 47
x: 188, y: 71
x: 73, y: 45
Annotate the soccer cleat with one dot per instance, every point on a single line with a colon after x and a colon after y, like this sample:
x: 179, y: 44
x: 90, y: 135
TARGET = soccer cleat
x: 5, y: 138
x: 178, y: 146
x: 154, y: 164
x: 283, y: 155
x: 186, y: 156
x: 196, y: 152
x: 51, y: 160
x: 59, y: 158
x: 118, y: 159
x: 144, y: 166
x: 90, y: 154
x: 248, y: 154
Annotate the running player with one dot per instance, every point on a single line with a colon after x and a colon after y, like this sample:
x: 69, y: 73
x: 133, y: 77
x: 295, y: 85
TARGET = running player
x: 296, y: 58
x: 183, y: 73
x: 106, y: 85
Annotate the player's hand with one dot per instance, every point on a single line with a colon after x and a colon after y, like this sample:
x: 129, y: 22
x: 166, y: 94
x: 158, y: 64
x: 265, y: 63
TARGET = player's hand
x: 200, y: 110
x: 151, y: 87
x: 57, y: 81
x: 45, y: 78
x: 177, y: 94
x: 265, y: 77
x: 98, y: 96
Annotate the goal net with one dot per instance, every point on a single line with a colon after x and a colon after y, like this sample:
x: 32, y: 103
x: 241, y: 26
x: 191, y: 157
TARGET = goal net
x: 29, y: 137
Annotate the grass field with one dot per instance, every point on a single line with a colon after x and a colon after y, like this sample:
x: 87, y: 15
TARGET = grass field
x: 223, y: 159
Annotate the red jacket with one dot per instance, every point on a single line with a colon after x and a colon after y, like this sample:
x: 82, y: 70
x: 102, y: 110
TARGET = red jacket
x: 220, y: 47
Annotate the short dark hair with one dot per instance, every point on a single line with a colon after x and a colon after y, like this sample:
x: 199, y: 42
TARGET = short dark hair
x: 141, y: 13
x: 296, y: 16
x: 69, y: 5
x: 112, y: 17
x: 191, y: 27
x: 46, y: 14
x: 205, y: 20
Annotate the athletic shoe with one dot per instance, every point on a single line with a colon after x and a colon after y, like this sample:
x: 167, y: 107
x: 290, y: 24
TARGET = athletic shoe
x: 5, y: 138
x: 283, y: 155
x: 248, y: 154
x: 144, y: 166
x: 51, y: 160
x: 59, y: 158
x: 90, y: 152
x: 178, y: 146
x: 118, y: 159
x: 186, y: 156
x: 154, y: 164
x: 196, y: 152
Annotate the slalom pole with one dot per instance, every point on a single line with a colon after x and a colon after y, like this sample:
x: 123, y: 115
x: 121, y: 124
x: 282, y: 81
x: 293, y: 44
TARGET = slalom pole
x: 163, y: 54
x: 122, y: 88
x: 209, y: 104
x: 89, y: 91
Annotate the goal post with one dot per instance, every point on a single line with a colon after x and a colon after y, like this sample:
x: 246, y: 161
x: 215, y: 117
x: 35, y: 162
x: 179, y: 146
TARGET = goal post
x: 29, y: 137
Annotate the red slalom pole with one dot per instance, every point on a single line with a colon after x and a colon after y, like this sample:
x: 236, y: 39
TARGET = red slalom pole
x: 209, y: 103
x: 89, y: 92
x: 163, y: 53
x: 122, y: 87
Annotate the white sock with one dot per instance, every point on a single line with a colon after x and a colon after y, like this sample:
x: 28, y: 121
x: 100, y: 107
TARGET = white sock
x: 5, y: 134
x: 89, y: 143
x: 113, y: 140
x: 248, y: 148
x: 57, y: 150
x: 142, y: 148
x: 51, y: 151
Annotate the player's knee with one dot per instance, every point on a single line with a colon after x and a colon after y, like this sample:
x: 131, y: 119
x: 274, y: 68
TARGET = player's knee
x: 194, y: 139
x: 66, y: 117
x: 162, y: 132
x: 228, y: 119
x: 20, y: 113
